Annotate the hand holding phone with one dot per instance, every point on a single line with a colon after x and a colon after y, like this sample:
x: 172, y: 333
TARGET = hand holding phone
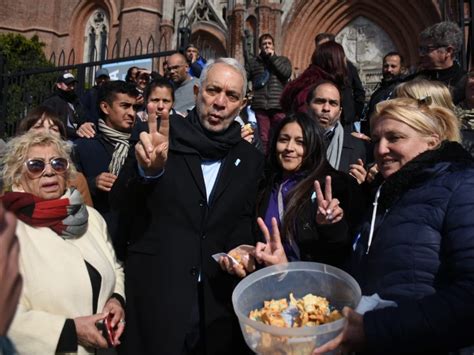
x: 89, y: 331
x: 109, y: 330
x: 113, y: 323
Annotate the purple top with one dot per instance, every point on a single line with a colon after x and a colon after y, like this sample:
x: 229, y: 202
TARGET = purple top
x: 272, y: 211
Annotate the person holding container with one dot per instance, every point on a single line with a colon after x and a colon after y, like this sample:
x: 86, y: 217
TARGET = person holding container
x: 314, y: 225
x: 71, y: 278
x: 417, y: 249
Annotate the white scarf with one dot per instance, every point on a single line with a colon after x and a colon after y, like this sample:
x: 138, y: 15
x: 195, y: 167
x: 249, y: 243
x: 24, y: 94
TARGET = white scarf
x: 120, y: 140
x: 334, y: 150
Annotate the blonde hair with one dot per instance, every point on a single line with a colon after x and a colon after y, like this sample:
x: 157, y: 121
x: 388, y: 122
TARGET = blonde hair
x: 422, y: 88
x: 425, y: 119
x: 16, y: 152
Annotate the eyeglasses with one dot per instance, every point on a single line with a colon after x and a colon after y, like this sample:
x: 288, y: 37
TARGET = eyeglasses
x: 175, y: 67
x: 429, y: 49
x: 322, y: 101
x: 37, y: 166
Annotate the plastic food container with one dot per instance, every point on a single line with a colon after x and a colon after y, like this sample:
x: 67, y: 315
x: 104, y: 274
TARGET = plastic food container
x: 279, y: 281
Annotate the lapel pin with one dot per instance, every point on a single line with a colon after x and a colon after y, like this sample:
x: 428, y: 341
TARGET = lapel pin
x: 237, y: 162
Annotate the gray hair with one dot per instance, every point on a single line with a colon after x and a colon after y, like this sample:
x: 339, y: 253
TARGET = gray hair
x: 231, y: 62
x: 443, y: 33
x: 16, y: 152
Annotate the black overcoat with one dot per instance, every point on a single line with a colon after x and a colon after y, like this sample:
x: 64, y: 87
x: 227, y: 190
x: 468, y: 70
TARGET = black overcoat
x: 171, y: 232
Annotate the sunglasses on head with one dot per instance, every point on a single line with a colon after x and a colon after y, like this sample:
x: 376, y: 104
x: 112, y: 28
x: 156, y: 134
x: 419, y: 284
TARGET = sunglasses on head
x: 38, y: 166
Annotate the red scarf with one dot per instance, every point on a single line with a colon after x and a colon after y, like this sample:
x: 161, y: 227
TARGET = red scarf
x: 38, y: 212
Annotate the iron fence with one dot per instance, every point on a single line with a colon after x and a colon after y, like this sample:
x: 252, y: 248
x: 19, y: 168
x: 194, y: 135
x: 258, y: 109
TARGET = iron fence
x: 20, y: 91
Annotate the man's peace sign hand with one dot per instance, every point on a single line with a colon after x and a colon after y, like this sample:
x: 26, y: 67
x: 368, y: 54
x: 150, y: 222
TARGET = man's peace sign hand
x: 152, y: 149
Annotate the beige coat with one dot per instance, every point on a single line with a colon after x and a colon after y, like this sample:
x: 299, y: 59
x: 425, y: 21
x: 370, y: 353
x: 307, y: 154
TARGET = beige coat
x: 57, y: 285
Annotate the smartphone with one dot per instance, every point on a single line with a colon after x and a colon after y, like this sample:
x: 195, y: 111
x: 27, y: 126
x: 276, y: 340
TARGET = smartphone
x: 108, y: 332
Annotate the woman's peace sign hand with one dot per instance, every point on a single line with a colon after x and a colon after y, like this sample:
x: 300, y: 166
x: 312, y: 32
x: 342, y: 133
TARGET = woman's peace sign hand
x: 271, y: 252
x: 329, y: 211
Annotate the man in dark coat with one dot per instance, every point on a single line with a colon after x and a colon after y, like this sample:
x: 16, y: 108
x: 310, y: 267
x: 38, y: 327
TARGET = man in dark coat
x: 344, y: 150
x: 67, y: 105
x: 100, y: 158
x: 269, y: 74
x: 392, y: 75
x: 439, y: 45
x: 192, y: 195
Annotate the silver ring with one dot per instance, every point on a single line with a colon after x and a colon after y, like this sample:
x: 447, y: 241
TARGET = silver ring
x: 122, y: 321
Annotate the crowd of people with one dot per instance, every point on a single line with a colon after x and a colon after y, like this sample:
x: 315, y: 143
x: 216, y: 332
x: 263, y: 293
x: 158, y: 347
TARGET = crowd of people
x: 114, y: 203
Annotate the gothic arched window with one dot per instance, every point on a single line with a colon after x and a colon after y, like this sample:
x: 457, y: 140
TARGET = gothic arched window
x: 95, y: 37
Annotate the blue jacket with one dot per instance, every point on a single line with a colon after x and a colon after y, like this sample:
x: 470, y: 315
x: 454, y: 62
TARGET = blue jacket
x: 422, y: 256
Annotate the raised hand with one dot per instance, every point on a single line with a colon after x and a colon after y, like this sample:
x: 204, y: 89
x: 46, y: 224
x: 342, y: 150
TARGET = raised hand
x: 358, y: 171
x: 373, y: 171
x: 152, y: 149
x: 329, y: 210
x: 271, y: 252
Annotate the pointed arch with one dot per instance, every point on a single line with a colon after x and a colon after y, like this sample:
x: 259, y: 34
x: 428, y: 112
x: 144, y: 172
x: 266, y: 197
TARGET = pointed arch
x: 210, y: 39
x: 79, y: 19
x: 401, y: 23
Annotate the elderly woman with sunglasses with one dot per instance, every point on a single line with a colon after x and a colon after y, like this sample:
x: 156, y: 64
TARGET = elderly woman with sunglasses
x: 72, y: 280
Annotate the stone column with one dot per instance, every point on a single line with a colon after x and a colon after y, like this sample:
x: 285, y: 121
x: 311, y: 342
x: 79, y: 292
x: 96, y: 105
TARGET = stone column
x: 276, y: 15
x: 167, y: 28
x: 264, y: 21
x: 236, y: 25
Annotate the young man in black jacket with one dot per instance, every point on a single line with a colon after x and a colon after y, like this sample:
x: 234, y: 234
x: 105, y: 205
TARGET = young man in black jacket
x: 268, y: 73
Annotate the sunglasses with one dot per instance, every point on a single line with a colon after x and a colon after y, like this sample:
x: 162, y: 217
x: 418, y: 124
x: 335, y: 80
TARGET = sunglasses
x: 429, y: 49
x: 37, y: 166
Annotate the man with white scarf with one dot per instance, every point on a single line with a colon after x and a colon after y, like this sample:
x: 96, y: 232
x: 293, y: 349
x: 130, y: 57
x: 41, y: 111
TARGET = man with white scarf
x: 101, y: 158
x: 343, y: 149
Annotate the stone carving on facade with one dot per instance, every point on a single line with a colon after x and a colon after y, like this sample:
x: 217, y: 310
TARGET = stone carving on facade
x: 365, y: 44
x: 206, y: 14
x: 203, y: 11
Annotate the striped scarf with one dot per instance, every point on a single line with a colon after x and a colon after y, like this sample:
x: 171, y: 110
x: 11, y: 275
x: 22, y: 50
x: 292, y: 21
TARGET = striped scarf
x: 120, y: 141
x: 67, y: 216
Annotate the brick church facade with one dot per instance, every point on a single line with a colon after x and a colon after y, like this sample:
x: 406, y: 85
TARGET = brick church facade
x: 88, y: 30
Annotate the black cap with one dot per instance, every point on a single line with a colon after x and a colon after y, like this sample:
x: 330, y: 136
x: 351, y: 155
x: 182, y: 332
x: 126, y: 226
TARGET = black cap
x: 66, y: 78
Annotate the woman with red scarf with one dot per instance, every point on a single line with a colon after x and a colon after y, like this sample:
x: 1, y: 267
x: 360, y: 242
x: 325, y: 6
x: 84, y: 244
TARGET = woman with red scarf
x: 72, y: 280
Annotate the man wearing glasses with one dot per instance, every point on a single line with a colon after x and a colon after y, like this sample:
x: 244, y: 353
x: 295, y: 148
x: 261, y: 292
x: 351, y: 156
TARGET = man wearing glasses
x: 184, y: 83
x: 439, y: 45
